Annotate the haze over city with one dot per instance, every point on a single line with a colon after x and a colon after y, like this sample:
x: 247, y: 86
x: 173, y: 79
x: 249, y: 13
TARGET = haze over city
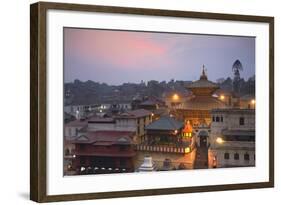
x: 117, y: 57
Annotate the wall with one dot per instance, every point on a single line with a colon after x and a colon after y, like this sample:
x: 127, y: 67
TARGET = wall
x: 14, y: 84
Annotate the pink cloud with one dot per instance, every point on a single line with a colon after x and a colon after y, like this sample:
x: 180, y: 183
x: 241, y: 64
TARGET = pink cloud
x: 117, y: 48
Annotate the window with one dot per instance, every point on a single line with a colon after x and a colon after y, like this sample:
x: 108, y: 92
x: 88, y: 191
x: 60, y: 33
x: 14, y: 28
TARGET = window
x: 246, y: 157
x: 214, y: 119
x: 226, y: 155
x: 221, y: 118
x: 217, y: 119
x: 241, y: 121
x: 236, y: 156
x: 67, y: 152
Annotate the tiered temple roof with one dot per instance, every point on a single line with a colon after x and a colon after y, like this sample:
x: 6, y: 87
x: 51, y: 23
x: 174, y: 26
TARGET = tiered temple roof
x: 203, y: 90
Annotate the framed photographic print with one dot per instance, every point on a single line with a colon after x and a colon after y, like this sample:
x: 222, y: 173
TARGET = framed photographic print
x: 134, y: 102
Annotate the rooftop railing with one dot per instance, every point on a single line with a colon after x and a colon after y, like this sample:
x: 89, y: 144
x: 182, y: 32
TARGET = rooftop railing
x: 164, y: 148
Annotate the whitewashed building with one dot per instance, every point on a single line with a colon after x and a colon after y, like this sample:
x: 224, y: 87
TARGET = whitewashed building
x: 232, y: 138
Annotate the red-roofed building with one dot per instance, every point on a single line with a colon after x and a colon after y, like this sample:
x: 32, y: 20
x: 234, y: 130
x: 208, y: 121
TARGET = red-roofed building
x: 103, y: 152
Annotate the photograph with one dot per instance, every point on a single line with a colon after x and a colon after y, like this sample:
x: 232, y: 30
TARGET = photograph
x: 147, y: 101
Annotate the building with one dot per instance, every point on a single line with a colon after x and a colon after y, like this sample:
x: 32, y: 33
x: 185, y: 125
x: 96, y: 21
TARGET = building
x: 248, y: 102
x: 102, y: 152
x: 166, y: 141
x: 134, y: 120
x: 155, y: 105
x: 81, y: 110
x: 72, y: 128
x: 176, y: 99
x: 71, y: 131
x: 232, y: 138
x: 197, y: 108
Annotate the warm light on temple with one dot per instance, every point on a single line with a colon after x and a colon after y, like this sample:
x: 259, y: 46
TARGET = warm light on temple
x: 222, y: 97
x: 176, y: 97
x: 187, y: 150
x: 219, y: 140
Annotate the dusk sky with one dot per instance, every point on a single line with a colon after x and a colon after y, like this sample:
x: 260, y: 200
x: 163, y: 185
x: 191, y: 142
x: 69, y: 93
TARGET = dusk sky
x: 116, y: 57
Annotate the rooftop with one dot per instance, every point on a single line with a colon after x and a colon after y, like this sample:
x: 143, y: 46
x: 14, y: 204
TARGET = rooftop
x: 134, y: 114
x: 240, y: 133
x: 101, y: 120
x: 105, y: 138
x: 76, y: 123
x: 165, y: 123
x: 204, y: 103
x: 203, y: 83
x: 233, y: 110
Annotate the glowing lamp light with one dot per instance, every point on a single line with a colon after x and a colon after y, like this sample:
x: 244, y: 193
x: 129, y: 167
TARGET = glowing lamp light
x: 152, y: 114
x: 187, y: 150
x: 253, y: 101
x: 219, y: 140
x: 175, y: 97
x: 222, y: 97
x: 176, y: 131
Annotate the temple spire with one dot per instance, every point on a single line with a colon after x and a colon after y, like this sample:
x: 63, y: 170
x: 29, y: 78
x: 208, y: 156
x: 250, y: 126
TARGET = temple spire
x: 203, y: 75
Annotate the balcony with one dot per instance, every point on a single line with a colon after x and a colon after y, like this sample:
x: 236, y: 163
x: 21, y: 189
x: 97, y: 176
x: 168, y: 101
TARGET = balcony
x: 164, y: 148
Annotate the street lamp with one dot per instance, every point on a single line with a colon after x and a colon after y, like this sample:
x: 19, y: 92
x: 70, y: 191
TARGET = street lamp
x: 176, y: 97
x: 219, y: 140
x: 253, y: 102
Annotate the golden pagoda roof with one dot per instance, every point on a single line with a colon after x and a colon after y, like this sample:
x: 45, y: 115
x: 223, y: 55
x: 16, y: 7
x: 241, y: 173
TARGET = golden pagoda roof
x: 204, y: 103
x: 203, y: 82
x: 203, y: 86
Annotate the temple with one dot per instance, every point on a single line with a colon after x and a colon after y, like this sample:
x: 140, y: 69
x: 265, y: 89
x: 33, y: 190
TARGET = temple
x: 197, y: 108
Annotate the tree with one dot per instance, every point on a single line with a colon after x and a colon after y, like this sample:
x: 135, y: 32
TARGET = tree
x: 236, y: 68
